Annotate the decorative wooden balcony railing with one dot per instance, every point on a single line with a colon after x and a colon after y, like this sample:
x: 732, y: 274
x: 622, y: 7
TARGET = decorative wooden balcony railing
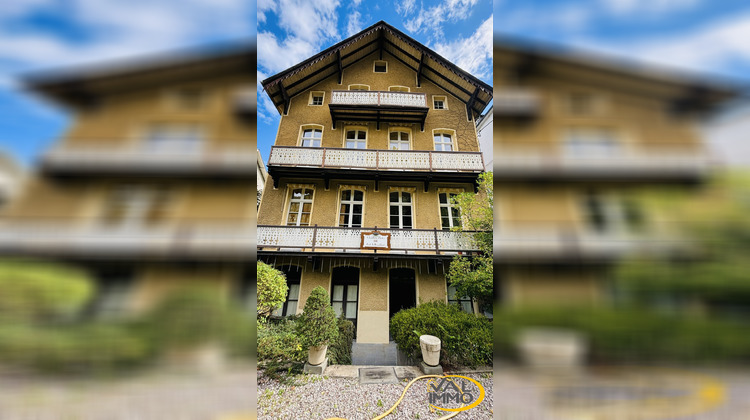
x: 378, y: 106
x: 317, y: 238
x: 74, y: 238
x: 637, y: 164
x: 516, y: 102
x: 417, y: 165
x: 141, y: 159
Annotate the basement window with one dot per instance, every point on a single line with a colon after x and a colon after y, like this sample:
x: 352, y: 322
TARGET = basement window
x: 380, y: 67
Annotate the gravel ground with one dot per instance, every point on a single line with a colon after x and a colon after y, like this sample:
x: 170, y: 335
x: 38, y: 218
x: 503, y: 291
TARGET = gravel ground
x: 320, y: 397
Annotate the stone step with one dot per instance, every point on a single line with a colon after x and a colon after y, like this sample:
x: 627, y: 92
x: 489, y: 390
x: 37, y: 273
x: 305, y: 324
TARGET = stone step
x: 375, y: 354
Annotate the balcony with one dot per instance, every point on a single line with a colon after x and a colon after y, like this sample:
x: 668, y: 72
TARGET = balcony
x: 378, y: 106
x: 517, y: 103
x: 419, y: 165
x: 315, y: 239
x: 559, y: 244
x: 657, y: 164
x: 75, y: 160
x: 73, y: 239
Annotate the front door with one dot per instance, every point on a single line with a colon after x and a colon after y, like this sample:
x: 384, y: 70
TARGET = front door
x: 402, y: 290
x: 345, y: 293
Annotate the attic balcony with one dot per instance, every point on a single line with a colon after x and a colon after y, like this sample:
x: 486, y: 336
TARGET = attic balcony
x: 140, y: 160
x: 322, y: 241
x: 77, y: 239
x: 517, y: 103
x: 652, y: 164
x: 378, y: 106
x: 373, y: 164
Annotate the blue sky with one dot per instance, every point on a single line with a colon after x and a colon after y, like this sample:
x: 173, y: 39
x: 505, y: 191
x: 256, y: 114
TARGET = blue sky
x: 702, y: 35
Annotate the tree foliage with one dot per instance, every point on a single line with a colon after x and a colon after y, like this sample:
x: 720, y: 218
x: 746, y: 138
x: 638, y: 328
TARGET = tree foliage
x: 473, y: 277
x: 272, y: 289
x: 317, y: 325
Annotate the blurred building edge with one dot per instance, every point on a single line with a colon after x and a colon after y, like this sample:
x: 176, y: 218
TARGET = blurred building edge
x: 484, y: 133
x: 583, y: 150
x: 377, y: 135
x: 151, y: 187
x: 260, y: 176
x: 11, y: 178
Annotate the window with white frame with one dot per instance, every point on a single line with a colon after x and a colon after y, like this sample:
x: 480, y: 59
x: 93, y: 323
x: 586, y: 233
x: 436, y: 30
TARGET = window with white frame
x: 359, y: 87
x: 356, y: 138
x: 316, y: 98
x: 611, y: 213
x: 591, y: 141
x: 300, y: 207
x: 398, y: 89
x: 463, y: 302
x: 311, y: 136
x: 174, y: 137
x: 449, y: 215
x: 439, y: 102
x: 189, y: 99
x: 443, y: 141
x: 136, y: 205
x: 400, y: 210
x: 399, y: 140
x: 293, y: 276
x: 350, y: 210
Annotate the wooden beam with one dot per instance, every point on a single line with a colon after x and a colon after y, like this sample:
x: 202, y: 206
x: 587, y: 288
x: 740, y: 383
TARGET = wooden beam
x: 381, y: 37
x: 286, y: 98
x: 471, y: 103
x: 419, y: 70
x: 341, y: 67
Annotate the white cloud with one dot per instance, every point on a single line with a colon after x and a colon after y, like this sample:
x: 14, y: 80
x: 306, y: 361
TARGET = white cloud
x: 267, y: 112
x: 447, y: 11
x: 354, y: 24
x: 473, y: 54
x: 562, y: 19
x: 265, y: 6
x: 647, y: 6
x: 405, y: 7
x: 275, y: 56
x: 310, y: 21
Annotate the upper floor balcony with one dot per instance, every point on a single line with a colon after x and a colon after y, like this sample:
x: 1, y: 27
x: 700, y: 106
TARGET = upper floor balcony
x: 71, y: 238
x: 378, y: 106
x: 419, y: 165
x: 657, y: 164
x: 139, y: 159
x: 517, y: 103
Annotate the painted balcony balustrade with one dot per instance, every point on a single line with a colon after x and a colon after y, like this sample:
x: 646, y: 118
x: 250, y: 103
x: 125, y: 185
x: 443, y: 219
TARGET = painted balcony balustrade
x: 316, y: 238
x: 517, y: 102
x: 76, y: 238
x: 395, y: 160
x: 188, y: 159
x: 378, y: 106
x: 652, y: 163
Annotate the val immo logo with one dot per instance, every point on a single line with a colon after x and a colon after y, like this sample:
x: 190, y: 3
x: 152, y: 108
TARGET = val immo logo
x: 454, y: 393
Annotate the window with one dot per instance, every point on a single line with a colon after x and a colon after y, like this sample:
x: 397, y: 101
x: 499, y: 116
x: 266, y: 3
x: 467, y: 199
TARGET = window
x: 293, y: 278
x: 311, y: 136
x: 449, y: 214
x: 345, y: 293
x: 591, y: 141
x: 300, y: 207
x: 174, y: 137
x: 134, y: 205
x: 400, y: 210
x: 399, y: 140
x: 359, y: 87
x: 443, y: 141
x: 114, y: 289
x: 356, y: 139
x: 398, y: 89
x: 464, y: 302
x: 380, y: 66
x: 580, y: 103
x: 350, y: 211
x: 189, y: 99
x: 607, y: 213
x: 439, y: 102
x: 316, y: 98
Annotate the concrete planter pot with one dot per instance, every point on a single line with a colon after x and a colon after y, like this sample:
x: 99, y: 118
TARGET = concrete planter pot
x: 430, y: 346
x: 317, y: 354
x: 552, y: 350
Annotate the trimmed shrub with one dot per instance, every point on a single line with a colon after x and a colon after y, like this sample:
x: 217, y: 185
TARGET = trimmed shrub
x: 633, y: 335
x: 340, y: 351
x: 272, y: 289
x: 317, y: 325
x: 466, y: 340
x: 279, y: 342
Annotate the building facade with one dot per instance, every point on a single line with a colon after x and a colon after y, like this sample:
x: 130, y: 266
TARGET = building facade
x: 151, y: 187
x: 377, y: 133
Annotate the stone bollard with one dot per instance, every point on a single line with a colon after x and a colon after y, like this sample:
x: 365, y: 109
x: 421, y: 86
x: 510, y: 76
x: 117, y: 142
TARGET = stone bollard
x: 430, y: 346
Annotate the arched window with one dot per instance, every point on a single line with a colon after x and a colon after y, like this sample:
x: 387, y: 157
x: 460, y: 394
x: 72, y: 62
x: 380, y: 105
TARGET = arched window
x: 311, y: 135
x: 300, y: 207
x: 399, y: 140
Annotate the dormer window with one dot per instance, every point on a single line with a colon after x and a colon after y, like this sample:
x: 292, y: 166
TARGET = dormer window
x: 380, y: 66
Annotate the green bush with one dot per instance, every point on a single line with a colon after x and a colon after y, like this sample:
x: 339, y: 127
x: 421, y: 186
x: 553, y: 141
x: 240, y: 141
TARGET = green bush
x: 197, y: 315
x: 38, y: 291
x: 317, y: 325
x: 279, y: 342
x: 466, y: 340
x: 88, y: 348
x: 340, y: 351
x: 272, y: 289
x: 633, y: 335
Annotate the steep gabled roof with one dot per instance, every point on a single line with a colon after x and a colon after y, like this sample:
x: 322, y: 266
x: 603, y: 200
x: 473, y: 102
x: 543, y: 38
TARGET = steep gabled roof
x: 382, y: 38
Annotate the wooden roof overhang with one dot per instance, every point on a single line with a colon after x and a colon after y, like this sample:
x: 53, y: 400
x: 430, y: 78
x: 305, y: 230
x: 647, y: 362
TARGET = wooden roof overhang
x: 378, y: 114
x: 380, y: 38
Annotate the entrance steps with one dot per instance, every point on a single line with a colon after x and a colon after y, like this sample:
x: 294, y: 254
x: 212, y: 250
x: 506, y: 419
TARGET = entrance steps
x: 373, y: 354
